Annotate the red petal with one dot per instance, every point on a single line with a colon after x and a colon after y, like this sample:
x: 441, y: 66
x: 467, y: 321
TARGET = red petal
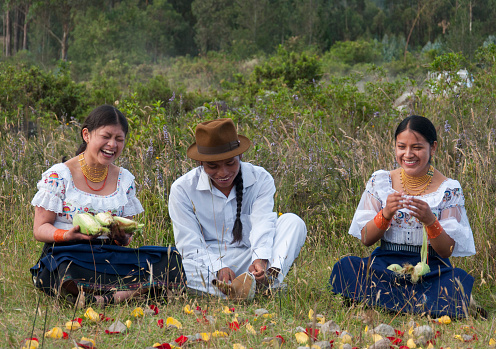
x: 160, y: 323
x: 437, y: 334
x: 113, y: 332
x: 234, y: 326
x: 154, y: 308
x: 232, y: 310
x: 181, y: 340
x: 65, y: 335
x: 282, y: 339
x: 163, y: 346
x: 394, y: 340
x: 263, y: 328
x: 314, y: 333
x: 399, y: 333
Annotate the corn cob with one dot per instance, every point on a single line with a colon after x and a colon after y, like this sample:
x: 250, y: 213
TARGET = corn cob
x: 104, y: 218
x: 87, y: 224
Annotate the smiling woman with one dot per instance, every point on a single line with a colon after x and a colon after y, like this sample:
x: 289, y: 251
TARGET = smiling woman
x: 394, y: 210
x: 73, y: 263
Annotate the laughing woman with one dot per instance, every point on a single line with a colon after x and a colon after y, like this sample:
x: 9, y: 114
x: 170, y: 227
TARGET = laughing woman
x: 71, y: 261
x: 394, y: 209
x: 223, y: 217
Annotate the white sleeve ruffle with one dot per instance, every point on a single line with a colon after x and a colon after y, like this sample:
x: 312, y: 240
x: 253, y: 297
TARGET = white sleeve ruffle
x: 52, y: 189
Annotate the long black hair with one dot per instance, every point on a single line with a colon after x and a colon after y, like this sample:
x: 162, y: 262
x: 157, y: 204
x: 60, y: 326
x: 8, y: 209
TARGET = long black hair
x: 419, y: 124
x: 237, y: 231
x: 101, y: 116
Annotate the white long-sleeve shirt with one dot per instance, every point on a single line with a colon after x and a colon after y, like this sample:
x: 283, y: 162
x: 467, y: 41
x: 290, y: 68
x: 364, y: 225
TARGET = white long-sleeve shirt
x: 203, y: 217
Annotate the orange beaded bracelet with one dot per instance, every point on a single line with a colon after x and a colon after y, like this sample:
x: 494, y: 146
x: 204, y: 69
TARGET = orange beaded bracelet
x: 381, y: 222
x: 58, y: 235
x: 434, y: 230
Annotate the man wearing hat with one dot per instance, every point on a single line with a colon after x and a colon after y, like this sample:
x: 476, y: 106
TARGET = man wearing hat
x: 223, y: 217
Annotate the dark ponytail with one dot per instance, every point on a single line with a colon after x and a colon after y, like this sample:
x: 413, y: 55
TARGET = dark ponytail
x: 237, y: 231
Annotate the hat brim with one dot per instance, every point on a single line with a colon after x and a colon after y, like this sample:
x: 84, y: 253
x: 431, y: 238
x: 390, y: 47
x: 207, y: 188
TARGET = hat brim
x: 244, y: 145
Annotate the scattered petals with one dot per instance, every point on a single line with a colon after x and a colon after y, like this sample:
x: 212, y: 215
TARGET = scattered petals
x: 55, y: 333
x: 92, y: 315
x: 262, y: 329
x: 269, y: 316
x: 162, y: 346
x: 492, y: 342
x: 154, y: 308
x: 312, y: 332
x: 138, y: 312
x: 227, y: 310
x: 171, y: 322
x: 238, y: 346
x: 128, y: 323
x: 394, y: 340
x: 205, y: 336
x: 160, y: 323
x: 444, y: 320
x: 411, y: 343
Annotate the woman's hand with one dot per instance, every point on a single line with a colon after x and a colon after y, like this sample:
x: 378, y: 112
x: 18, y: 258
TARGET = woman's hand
x: 420, y: 210
x: 74, y: 234
x: 257, y: 268
x: 393, y: 203
x: 226, y: 275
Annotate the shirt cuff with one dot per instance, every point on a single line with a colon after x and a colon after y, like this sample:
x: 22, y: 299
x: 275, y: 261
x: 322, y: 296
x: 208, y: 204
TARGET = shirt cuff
x: 261, y: 253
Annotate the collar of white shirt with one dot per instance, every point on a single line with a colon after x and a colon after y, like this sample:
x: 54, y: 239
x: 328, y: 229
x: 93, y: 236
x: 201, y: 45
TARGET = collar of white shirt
x: 247, y: 173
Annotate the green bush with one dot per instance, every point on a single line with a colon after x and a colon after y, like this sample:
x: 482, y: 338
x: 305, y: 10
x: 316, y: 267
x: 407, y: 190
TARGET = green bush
x: 54, y: 93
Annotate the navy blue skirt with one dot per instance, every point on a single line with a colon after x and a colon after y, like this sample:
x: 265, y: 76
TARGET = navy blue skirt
x: 101, y: 268
x: 443, y: 291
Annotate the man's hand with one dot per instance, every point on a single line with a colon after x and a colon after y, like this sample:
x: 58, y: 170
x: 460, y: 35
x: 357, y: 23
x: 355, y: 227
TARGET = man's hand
x: 257, y: 268
x: 226, y: 275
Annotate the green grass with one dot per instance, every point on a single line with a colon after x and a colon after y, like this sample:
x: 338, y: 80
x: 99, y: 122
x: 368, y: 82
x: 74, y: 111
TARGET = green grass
x: 321, y: 148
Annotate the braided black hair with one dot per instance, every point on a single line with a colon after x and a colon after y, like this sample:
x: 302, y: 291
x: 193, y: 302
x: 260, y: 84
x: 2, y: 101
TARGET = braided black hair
x: 238, y: 226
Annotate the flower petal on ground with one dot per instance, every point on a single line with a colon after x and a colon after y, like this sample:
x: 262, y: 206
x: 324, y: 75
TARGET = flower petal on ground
x: 181, y: 340
x: 92, y: 315
x: 55, y: 333
x: 116, y: 327
x: 301, y: 337
x: 250, y: 329
x: 188, y: 310
x: 72, y: 325
x: 138, y: 312
x: 171, y: 322
x: 30, y: 343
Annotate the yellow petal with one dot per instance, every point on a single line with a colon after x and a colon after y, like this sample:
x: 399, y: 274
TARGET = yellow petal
x: 55, y: 333
x: 92, y: 315
x: 444, y: 320
x: 88, y: 340
x: 72, y: 325
x: 301, y: 337
x: 188, y: 310
x: 128, y: 323
x: 268, y: 316
x: 205, y: 336
x: 138, y: 312
x: 430, y: 346
x: 173, y: 322
x: 30, y: 344
x: 250, y: 329
x: 366, y: 328
x: 492, y: 342
x: 155, y: 345
x: 310, y: 314
x: 346, y: 339
x: 238, y: 346
x: 321, y: 320
x: 218, y: 334
x: 226, y: 310
x: 460, y: 338
x: 376, y: 337
x: 411, y: 344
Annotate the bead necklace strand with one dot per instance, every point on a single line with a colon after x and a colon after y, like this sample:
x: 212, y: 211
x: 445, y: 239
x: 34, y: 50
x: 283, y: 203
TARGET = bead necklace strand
x: 93, y: 174
x: 416, y: 186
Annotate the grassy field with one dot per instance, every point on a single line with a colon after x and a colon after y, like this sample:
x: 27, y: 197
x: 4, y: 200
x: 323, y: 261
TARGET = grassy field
x: 321, y: 143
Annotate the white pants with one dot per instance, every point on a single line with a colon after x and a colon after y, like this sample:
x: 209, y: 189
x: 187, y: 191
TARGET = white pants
x: 291, y: 233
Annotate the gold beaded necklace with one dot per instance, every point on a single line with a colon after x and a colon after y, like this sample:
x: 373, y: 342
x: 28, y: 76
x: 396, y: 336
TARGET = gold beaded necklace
x: 94, y: 174
x: 416, y: 186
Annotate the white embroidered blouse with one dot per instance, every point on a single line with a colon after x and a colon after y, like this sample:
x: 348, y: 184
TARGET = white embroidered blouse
x: 57, y: 193
x: 447, y: 203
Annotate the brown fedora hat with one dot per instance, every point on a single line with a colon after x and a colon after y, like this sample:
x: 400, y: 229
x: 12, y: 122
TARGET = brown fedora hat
x: 217, y: 140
